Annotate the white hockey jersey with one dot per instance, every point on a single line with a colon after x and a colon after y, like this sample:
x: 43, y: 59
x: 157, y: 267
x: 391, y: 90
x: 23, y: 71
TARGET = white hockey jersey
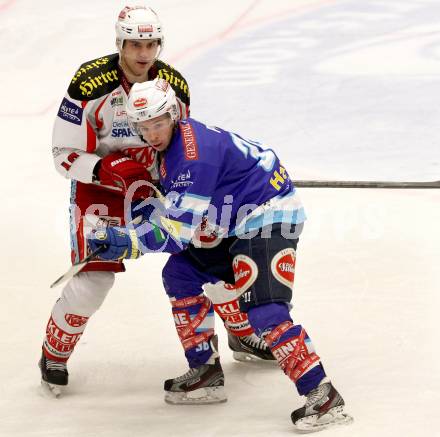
x: 92, y: 121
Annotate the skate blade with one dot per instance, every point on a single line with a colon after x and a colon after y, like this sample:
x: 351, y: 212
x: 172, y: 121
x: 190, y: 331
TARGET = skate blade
x: 335, y: 416
x: 246, y: 357
x: 51, y: 390
x: 207, y: 395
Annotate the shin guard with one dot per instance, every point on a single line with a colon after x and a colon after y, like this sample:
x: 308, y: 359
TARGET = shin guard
x: 194, y: 320
x: 294, y: 351
x: 224, y: 299
x: 290, y: 345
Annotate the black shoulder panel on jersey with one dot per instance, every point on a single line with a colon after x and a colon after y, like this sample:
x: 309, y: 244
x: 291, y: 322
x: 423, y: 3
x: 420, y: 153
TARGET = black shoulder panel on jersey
x: 95, y: 78
x: 176, y: 80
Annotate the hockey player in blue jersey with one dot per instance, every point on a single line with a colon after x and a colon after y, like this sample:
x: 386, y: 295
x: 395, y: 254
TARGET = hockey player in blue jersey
x: 238, y: 194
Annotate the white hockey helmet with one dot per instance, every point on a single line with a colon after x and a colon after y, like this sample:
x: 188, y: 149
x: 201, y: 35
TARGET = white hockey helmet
x: 138, y: 22
x: 148, y: 100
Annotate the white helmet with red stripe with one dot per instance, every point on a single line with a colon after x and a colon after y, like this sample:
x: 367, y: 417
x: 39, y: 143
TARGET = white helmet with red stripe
x: 138, y: 22
x: 148, y: 100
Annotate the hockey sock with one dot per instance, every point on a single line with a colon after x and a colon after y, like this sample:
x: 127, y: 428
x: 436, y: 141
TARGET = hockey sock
x: 80, y: 298
x: 289, y: 344
x: 194, y: 319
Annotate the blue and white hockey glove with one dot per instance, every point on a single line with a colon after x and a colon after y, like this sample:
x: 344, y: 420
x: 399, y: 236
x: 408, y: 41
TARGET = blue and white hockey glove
x: 116, y: 243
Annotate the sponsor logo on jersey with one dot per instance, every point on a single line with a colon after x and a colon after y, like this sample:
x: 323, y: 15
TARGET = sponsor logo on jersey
x: 245, y: 272
x: 92, y: 83
x: 70, y: 112
x: 75, y: 321
x: 122, y: 133
x: 190, y: 146
x: 182, y: 181
x: 92, y: 65
x: 283, y: 266
x: 163, y: 169
x: 120, y: 129
x: 116, y: 101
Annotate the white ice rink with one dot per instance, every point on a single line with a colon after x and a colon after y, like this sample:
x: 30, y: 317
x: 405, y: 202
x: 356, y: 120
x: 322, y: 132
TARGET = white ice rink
x: 340, y: 89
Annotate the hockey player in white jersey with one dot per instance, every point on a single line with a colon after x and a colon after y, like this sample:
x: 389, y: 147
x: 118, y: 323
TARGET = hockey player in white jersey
x: 94, y: 146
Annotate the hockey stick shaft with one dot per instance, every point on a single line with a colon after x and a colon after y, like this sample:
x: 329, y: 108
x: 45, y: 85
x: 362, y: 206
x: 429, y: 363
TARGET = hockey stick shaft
x: 365, y: 184
x: 76, y: 268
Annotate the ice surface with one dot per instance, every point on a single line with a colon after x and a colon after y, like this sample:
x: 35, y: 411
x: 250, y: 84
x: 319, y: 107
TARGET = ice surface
x: 340, y: 89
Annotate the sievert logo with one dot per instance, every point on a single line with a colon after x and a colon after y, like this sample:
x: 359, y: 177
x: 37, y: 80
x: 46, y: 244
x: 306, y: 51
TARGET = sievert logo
x: 88, y: 86
x: 70, y: 112
x: 286, y: 267
x: 283, y: 266
x: 241, y: 274
x: 84, y: 69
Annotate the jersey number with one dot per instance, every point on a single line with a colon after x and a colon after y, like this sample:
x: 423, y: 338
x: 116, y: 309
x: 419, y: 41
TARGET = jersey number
x: 266, y: 158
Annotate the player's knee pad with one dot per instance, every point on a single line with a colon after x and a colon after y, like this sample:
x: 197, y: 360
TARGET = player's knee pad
x: 225, y: 302
x: 194, y: 320
x: 264, y: 269
x: 86, y: 292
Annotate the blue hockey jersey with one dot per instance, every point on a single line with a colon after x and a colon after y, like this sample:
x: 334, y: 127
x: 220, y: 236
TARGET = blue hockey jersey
x: 229, y: 185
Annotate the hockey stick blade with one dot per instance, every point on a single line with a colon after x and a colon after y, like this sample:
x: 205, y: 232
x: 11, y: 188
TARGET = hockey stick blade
x: 366, y: 184
x: 76, y: 268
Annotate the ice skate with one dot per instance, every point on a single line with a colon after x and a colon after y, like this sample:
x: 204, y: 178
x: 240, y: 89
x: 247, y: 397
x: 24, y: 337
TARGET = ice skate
x: 324, y: 408
x: 249, y: 348
x: 54, y: 375
x: 200, y: 385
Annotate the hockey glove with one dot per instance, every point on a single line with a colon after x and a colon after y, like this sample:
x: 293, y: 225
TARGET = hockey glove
x: 118, y: 170
x: 118, y: 242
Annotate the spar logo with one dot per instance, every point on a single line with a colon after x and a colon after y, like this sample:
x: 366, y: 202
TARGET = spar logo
x: 245, y: 273
x: 283, y: 266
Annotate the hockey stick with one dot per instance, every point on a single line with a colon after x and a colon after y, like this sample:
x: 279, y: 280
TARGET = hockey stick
x: 365, y: 184
x: 76, y: 268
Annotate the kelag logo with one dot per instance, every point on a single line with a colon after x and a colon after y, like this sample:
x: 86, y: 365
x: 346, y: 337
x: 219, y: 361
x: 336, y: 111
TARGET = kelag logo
x: 70, y: 112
